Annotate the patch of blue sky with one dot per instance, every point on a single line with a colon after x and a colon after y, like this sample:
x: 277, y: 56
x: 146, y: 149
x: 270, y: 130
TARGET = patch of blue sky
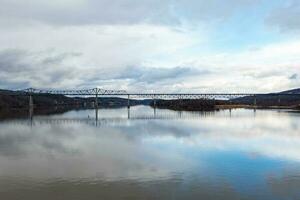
x: 245, y: 30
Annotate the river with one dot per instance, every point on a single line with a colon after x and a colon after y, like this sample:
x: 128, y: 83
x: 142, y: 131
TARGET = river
x: 151, y: 154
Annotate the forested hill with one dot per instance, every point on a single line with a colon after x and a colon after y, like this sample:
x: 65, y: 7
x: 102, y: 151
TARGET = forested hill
x: 294, y: 91
x: 286, y: 98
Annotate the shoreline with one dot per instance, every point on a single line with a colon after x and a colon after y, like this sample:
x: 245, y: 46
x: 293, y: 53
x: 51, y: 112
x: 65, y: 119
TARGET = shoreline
x: 236, y: 106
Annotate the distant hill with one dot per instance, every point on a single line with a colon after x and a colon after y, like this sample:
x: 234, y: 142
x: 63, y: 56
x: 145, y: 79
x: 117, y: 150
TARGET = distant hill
x: 294, y: 91
x: 286, y: 98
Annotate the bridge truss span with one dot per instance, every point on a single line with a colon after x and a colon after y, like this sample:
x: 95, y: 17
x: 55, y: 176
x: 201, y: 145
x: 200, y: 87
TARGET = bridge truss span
x: 98, y: 92
x: 145, y: 95
x: 104, y: 92
x: 82, y: 92
x: 189, y: 96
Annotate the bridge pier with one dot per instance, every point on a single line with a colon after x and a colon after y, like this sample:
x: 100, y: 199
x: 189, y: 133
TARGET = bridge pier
x: 96, y: 100
x: 180, y: 99
x: 128, y: 113
x: 96, y: 106
x: 128, y: 101
x: 279, y: 101
x: 255, y: 102
x: 31, y: 106
x: 96, y: 113
x: 154, y: 102
x: 30, y: 101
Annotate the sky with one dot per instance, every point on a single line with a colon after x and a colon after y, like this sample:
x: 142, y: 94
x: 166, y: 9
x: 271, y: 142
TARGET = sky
x: 151, y: 45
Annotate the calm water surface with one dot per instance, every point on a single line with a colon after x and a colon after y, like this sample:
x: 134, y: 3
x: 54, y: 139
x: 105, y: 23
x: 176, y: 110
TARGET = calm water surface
x: 147, y: 154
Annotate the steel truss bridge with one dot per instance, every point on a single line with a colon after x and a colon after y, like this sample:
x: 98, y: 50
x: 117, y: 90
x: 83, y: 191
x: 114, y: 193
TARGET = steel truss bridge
x: 96, y: 92
x: 102, y: 92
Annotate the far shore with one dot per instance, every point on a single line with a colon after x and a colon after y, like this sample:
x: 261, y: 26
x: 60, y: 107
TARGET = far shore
x: 235, y: 106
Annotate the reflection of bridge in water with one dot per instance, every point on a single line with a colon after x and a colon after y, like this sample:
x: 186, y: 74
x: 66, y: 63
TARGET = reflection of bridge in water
x: 100, y: 121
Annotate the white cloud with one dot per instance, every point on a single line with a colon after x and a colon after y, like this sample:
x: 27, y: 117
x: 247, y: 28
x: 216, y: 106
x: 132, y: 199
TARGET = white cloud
x: 114, y: 39
x: 103, y: 53
x: 265, y: 70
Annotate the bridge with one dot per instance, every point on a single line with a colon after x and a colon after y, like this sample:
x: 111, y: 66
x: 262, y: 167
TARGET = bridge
x: 97, y: 92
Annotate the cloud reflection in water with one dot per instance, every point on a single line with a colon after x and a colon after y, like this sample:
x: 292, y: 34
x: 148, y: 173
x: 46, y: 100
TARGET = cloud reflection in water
x: 219, y: 150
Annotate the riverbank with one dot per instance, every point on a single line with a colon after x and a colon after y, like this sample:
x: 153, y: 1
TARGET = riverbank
x: 186, y: 104
x: 212, y: 105
x: 235, y: 106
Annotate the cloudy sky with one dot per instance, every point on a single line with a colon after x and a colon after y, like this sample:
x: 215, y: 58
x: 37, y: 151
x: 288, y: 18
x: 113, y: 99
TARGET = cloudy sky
x: 151, y: 45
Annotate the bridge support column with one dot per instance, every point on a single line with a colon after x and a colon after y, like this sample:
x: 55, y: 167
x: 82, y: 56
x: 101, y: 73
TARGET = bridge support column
x: 128, y: 102
x: 154, y: 102
x: 96, y: 100
x: 31, y: 106
x: 180, y: 99
x: 279, y: 101
x: 96, y: 106
x: 255, y: 102
x: 30, y: 101
x: 96, y: 113
x: 128, y: 113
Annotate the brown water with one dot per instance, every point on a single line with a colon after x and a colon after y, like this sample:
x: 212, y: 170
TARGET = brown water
x: 147, y: 154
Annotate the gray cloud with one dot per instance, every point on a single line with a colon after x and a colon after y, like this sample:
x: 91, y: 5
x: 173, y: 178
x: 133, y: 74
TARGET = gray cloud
x: 57, y: 59
x: 294, y: 76
x: 11, y: 60
x: 22, y: 69
x: 286, y: 18
x: 156, y: 74
x: 16, y: 60
x: 66, y: 12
